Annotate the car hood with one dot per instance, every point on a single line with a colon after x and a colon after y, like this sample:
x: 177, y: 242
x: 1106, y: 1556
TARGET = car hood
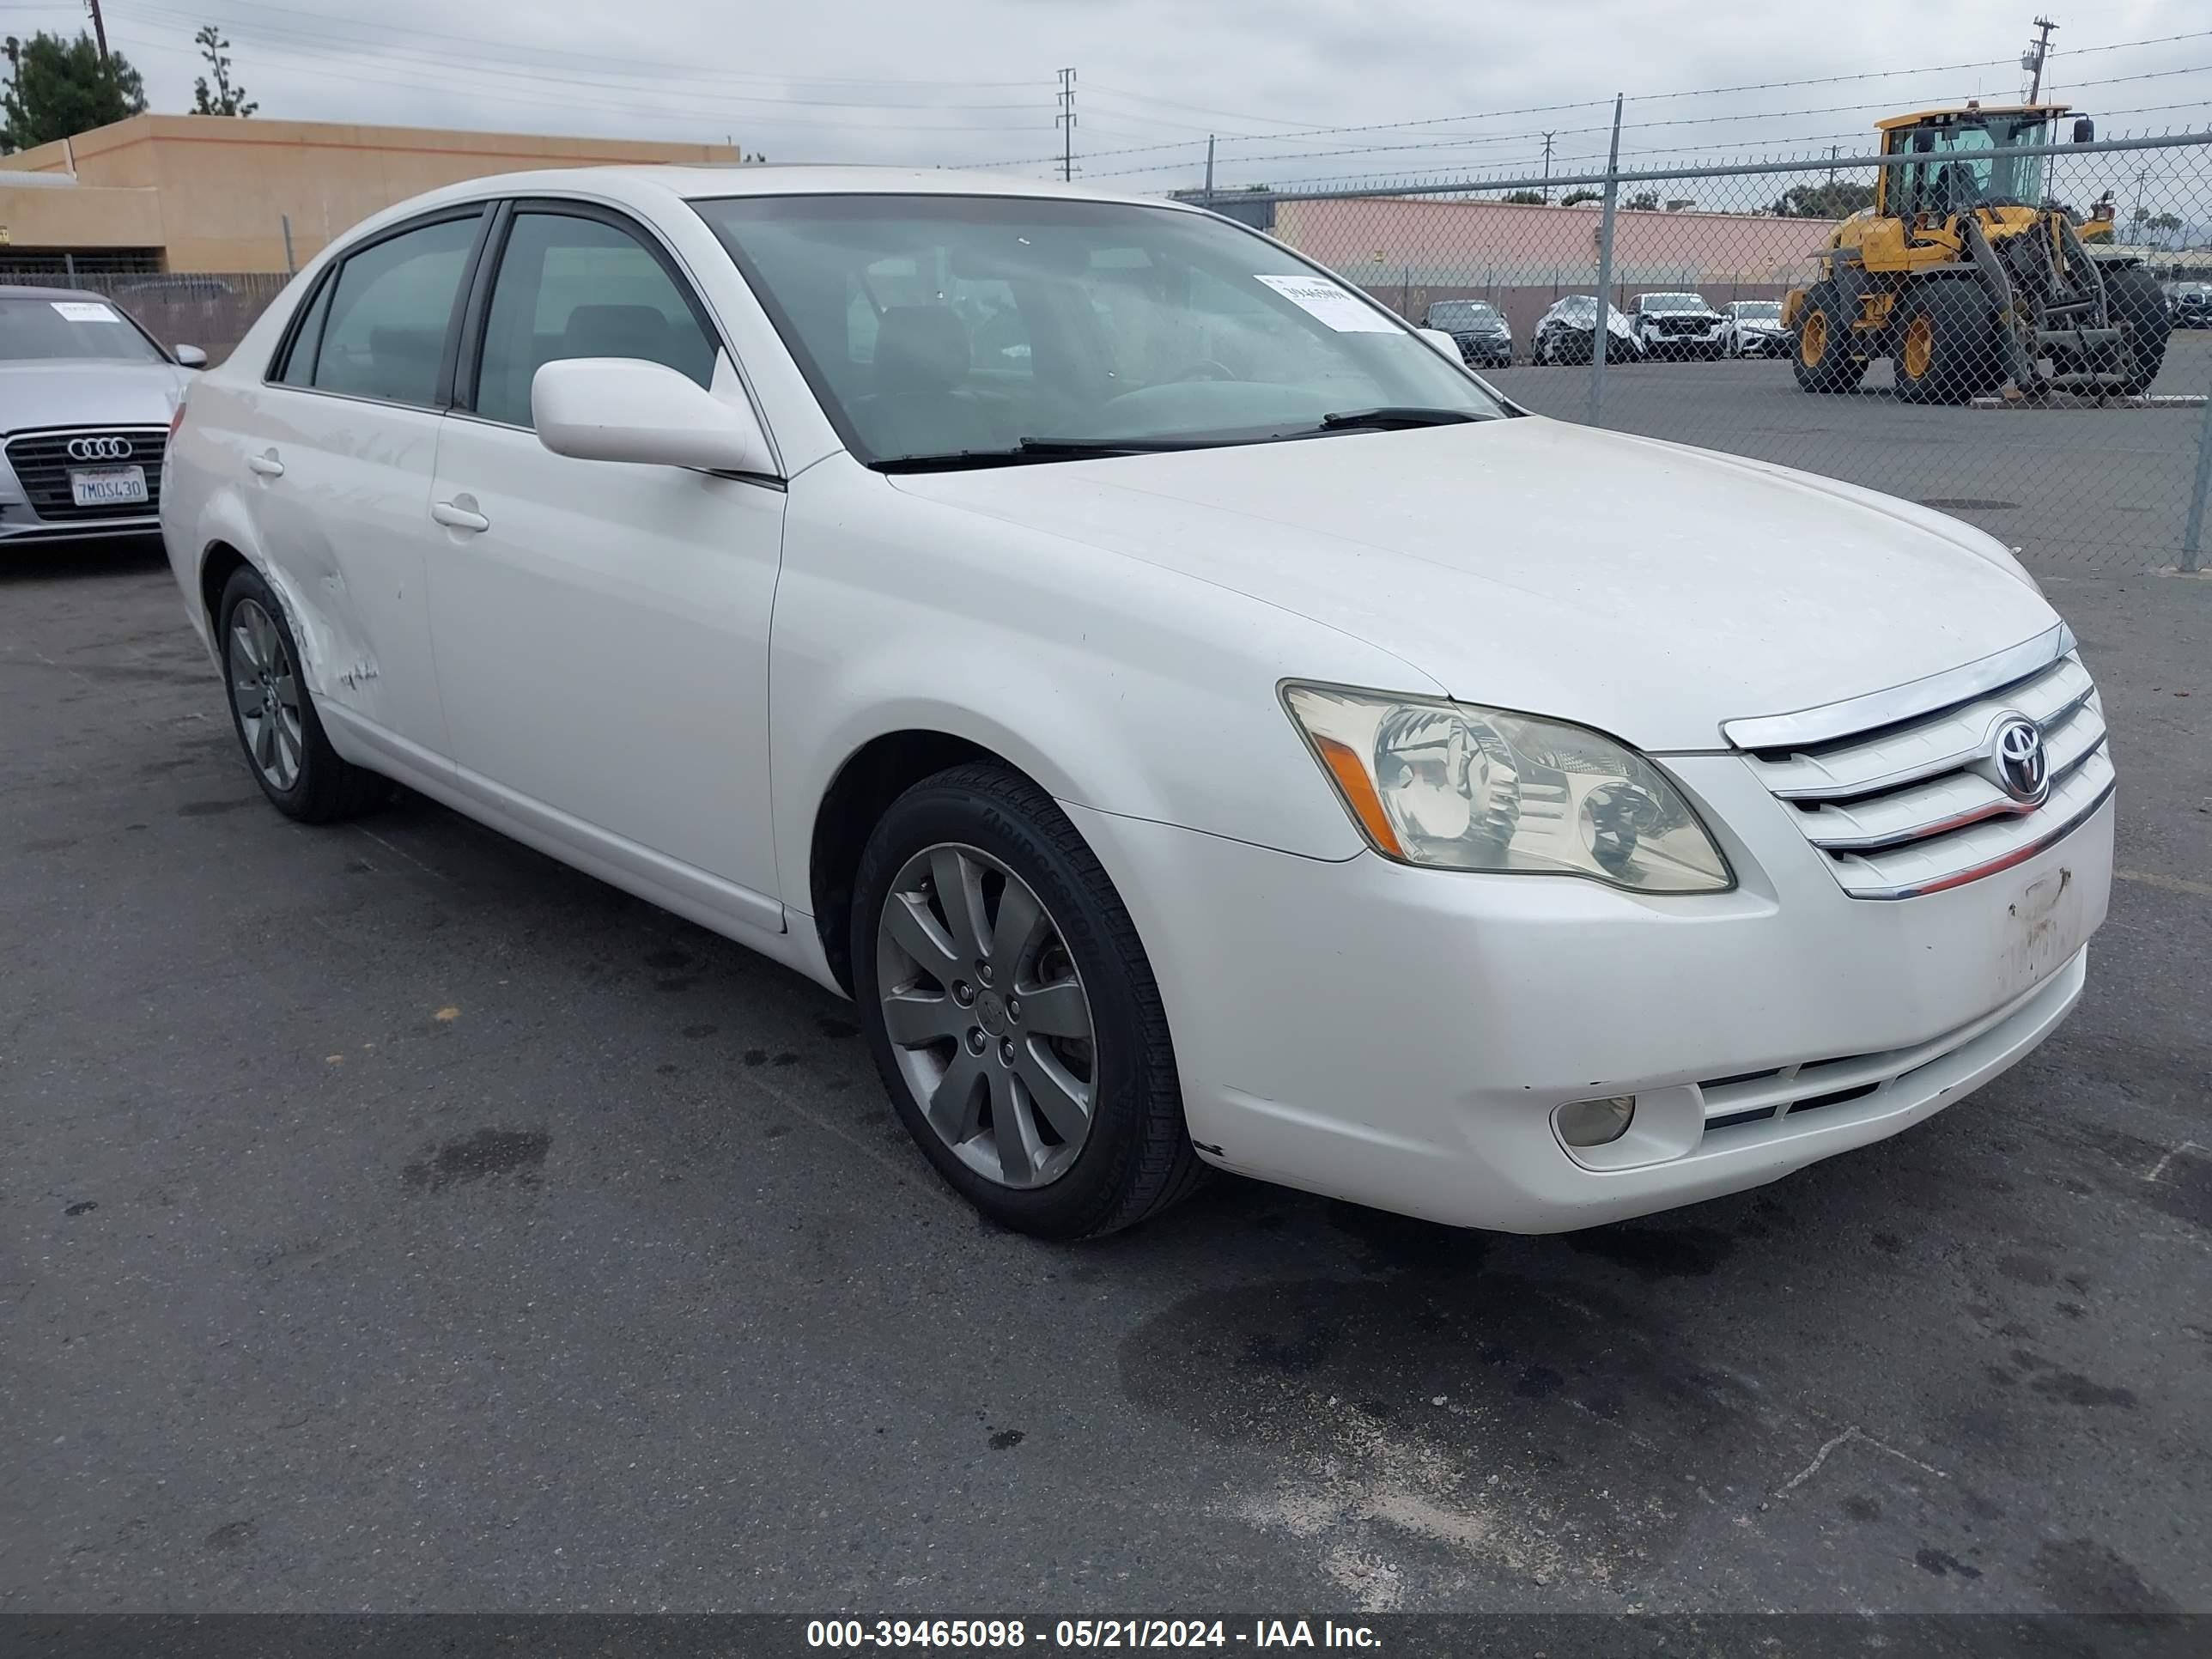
x: 1650, y: 590
x: 87, y: 394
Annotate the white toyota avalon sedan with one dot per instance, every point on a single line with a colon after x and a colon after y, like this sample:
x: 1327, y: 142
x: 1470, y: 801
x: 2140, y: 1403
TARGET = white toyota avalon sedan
x: 1195, y: 722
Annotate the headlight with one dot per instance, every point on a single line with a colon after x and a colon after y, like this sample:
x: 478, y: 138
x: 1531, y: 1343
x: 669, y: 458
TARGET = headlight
x: 1456, y: 787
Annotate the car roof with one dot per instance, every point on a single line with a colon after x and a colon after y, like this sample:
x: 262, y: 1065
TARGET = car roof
x: 14, y: 291
x: 643, y: 184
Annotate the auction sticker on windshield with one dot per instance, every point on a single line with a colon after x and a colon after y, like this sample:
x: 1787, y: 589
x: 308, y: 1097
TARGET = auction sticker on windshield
x: 84, y: 311
x: 1331, y: 303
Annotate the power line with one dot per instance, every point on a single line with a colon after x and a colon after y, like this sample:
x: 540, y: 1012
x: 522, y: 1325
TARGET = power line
x: 1541, y: 109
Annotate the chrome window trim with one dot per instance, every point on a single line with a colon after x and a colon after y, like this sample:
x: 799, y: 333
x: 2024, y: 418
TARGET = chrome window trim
x: 1856, y: 716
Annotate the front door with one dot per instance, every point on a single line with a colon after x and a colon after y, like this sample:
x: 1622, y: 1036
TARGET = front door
x: 601, y: 628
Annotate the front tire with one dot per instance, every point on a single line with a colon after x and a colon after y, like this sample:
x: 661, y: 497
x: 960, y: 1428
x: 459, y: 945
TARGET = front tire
x: 1949, y: 347
x: 273, y: 713
x: 1012, y: 1010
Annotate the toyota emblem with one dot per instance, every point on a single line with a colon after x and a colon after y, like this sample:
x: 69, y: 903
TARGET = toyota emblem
x: 100, y: 449
x: 2023, y: 764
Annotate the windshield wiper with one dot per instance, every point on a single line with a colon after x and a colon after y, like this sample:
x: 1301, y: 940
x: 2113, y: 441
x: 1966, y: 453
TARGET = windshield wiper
x: 1395, y: 417
x: 1027, y: 450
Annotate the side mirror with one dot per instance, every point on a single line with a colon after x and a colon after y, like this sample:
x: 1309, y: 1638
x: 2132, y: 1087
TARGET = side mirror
x: 190, y: 356
x: 2085, y: 130
x: 1443, y: 341
x: 624, y: 409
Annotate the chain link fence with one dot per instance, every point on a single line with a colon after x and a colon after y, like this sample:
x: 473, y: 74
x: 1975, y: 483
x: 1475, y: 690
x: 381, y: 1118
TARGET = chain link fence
x: 2021, y: 334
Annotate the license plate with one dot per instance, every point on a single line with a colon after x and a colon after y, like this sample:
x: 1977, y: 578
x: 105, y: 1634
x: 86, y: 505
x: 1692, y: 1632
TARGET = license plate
x: 108, y: 486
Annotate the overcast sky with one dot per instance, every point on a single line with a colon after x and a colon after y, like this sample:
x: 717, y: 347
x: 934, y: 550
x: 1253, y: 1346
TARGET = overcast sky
x: 965, y: 82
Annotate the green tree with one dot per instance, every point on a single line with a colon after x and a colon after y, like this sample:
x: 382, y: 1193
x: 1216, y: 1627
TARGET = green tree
x: 1644, y: 202
x: 58, y: 88
x: 1576, y: 197
x: 2164, y: 224
x: 1524, y: 197
x: 1838, y: 198
x: 223, y: 98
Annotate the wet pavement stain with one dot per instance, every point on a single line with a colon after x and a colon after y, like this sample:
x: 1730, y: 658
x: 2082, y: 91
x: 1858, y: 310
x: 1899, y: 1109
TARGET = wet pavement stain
x: 489, y: 1154
x: 2072, y: 1389
x: 207, y: 809
x: 1656, y: 1253
x: 2080, y: 1575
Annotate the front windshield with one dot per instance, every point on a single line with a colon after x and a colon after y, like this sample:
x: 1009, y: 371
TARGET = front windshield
x: 1673, y: 302
x: 48, y: 330
x: 1450, y: 315
x: 941, y: 325
x: 1960, y: 172
x: 1764, y: 310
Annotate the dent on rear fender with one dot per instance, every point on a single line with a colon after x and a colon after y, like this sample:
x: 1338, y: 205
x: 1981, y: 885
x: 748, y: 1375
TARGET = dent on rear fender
x: 336, y: 653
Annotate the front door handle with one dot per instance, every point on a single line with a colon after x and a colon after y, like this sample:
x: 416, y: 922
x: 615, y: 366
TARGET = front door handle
x: 266, y: 465
x: 454, y: 516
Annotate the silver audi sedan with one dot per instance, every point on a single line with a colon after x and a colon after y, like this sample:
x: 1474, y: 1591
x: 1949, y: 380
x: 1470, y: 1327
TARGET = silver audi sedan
x: 86, y: 395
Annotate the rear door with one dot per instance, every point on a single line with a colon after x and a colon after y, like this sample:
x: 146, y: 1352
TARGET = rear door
x: 338, y: 466
x: 602, y: 627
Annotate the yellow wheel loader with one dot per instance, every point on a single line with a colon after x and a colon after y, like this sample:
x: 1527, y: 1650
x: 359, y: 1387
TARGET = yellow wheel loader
x: 1972, y: 283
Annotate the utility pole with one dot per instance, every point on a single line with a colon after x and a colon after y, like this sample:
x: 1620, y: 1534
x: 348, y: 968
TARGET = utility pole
x: 1605, y: 271
x: 1066, y: 121
x: 1548, y: 169
x: 2031, y: 59
x: 99, y: 28
x: 1209, y: 168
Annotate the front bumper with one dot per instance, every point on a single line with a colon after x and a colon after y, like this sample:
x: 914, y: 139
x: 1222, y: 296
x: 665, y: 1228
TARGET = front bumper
x: 1401, y: 1037
x: 1493, y: 351
x: 1771, y: 343
x: 22, y: 529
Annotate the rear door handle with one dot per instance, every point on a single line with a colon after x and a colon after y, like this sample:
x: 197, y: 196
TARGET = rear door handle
x: 267, y: 466
x: 456, y: 517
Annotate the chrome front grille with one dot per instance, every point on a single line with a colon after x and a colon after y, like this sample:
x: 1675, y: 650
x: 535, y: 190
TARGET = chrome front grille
x: 42, y: 463
x: 1917, y: 804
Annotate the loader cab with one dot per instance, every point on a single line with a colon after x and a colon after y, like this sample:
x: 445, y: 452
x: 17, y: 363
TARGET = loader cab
x: 1954, y: 169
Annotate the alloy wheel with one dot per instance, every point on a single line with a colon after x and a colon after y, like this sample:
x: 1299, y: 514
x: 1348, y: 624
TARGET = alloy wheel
x: 266, y: 691
x: 989, y: 1023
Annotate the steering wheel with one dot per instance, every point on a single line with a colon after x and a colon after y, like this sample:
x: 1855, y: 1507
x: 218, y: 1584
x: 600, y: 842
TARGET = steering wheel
x: 1206, y: 368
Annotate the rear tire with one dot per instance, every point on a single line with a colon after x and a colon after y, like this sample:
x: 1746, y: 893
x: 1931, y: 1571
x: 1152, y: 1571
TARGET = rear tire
x: 1948, y: 349
x: 2137, y: 308
x: 1822, y: 357
x: 1098, y: 1141
x: 273, y: 713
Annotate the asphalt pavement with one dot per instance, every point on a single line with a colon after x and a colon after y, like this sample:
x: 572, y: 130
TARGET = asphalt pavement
x: 392, y: 1219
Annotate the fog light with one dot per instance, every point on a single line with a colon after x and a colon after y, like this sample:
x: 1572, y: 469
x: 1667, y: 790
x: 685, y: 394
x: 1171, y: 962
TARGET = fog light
x: 1595, y: 1123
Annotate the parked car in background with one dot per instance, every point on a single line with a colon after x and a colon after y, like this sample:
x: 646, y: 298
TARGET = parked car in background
x: 85, y: 400
x: 1565, y: 333
x: 1754, y: 329
x: 2190, y: 304
x: 1478, y: 328
x: 1677, y: 326
x: 1142, y: 739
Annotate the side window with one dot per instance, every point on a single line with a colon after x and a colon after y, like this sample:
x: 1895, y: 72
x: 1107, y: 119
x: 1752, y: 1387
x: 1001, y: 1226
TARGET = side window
x: 299, y: 365
x: 572, y: 287
x: 388, y: 313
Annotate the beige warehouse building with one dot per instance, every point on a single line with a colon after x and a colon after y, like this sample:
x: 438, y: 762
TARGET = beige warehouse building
x: 213, y: 193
